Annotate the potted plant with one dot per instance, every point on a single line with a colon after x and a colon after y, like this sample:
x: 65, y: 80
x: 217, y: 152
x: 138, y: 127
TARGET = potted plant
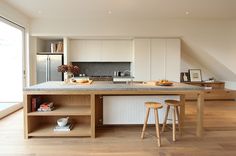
x: 69, y: 71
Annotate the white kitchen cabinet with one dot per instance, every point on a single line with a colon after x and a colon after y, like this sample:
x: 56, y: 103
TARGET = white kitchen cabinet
x: 116, y: 51
x: 141, y: 64
x: 173, y: 59
x: 156, y: 59
x: 85, y: 50
x: 101, y: 50
x: 158, y: 52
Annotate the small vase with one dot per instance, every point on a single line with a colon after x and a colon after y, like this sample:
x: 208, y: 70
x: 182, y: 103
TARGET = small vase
x: 68, y: 77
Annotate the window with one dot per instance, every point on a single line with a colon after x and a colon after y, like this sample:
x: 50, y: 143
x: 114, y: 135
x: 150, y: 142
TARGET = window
x: 11, y: 63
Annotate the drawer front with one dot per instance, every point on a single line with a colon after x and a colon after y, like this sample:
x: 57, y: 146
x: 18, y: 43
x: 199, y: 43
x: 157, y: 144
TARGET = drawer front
x: 214, y: 94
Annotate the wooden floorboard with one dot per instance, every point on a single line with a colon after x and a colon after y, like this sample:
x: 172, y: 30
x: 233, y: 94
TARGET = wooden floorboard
x: 219, y: 138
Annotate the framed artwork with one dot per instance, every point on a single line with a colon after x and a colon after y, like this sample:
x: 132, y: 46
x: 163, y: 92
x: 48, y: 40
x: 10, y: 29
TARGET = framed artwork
x: 195, y: 75
x: 184, y: 77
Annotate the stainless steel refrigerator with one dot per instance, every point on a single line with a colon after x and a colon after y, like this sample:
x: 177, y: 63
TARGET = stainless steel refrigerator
x: 47, y: 67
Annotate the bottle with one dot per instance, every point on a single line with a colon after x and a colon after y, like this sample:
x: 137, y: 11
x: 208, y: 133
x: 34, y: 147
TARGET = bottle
x: 115, y: 73
x: 119, y: 73
x: 185, y: 77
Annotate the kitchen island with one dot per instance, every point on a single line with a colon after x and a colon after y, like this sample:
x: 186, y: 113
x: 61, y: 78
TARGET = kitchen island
x: 78, y: 101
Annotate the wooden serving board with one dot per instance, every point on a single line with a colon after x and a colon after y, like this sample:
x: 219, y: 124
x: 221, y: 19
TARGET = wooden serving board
x: 83, y: 83
x: 157, y: 83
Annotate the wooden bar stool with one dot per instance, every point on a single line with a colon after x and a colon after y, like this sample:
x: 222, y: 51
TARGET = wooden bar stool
x: 176, y: 105
x: 155, y: 106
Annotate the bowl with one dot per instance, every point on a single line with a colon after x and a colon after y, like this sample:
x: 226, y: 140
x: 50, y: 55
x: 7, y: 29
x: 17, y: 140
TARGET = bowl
x: 62, y: 121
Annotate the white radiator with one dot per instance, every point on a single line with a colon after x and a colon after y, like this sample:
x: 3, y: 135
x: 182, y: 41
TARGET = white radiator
x: 131, y: 109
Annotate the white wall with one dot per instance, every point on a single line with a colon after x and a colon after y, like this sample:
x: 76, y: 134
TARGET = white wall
x: 212, y: 43
x: 19, y: 18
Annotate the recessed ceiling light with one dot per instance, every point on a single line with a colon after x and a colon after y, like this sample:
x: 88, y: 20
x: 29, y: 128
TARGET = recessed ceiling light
x: 187, y: 12
x: 109, y: 12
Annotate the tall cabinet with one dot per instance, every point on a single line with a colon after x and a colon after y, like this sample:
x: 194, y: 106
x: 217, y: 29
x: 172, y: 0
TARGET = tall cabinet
x: 141, y: 62
x: 156, y: 59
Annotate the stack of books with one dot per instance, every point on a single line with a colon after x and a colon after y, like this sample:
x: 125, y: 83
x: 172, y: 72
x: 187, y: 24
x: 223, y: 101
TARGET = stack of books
x: 65, y: 128
x: 46, y: 107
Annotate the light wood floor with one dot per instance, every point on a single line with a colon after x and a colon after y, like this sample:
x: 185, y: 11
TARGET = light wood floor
x: 219, y: 138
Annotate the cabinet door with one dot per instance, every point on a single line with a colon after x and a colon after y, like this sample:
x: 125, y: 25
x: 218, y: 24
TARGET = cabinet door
x: 173, y: 59
x: 158, y: 52
x: 85, y: 50
x: 116, y: 50
x: 141, y: 68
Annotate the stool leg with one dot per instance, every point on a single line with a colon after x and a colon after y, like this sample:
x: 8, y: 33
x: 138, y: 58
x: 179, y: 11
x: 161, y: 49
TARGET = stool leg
x: 145, y: 123
x: 157, y: 128
x: 178, y: 118
x: 165, y: 119
x: 173, y: 126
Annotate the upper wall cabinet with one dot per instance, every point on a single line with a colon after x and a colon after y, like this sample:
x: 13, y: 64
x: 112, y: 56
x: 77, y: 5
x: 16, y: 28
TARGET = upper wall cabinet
x: 116, y: 50
x: 101, y: 50
x: 85, y: 50
x: 156, y: 59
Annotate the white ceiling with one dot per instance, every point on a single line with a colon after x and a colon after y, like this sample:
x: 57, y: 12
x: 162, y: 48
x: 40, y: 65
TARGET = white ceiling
x: 126, y: 9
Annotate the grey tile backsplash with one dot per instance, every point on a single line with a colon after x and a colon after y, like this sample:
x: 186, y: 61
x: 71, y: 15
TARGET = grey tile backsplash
x: 101, y: 68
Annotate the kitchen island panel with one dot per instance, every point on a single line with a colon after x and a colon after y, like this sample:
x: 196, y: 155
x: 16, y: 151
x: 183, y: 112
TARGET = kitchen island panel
x: 99, y: 89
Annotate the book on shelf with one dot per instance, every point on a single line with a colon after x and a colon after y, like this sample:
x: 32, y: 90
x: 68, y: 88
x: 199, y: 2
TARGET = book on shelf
x: 46, y: 107
x: 59, y: 47
x: 65, y: 128
x: 56, y: 47
x: 35, y: 103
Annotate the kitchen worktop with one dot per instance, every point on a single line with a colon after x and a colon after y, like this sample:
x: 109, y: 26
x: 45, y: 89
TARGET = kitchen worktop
x: 107, y: 85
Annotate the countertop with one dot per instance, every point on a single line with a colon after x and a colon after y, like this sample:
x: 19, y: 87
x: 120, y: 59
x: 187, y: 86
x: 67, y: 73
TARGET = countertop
x: 107, y: 85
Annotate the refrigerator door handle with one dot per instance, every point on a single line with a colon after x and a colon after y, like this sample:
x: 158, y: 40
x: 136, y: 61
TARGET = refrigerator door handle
x: 49, y: 68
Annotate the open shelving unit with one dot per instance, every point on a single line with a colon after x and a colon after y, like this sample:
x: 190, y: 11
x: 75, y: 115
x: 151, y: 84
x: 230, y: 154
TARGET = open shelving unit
x: 77, y: 107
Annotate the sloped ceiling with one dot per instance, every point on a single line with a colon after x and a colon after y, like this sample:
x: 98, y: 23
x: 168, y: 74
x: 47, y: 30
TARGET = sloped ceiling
x: 208, y: 62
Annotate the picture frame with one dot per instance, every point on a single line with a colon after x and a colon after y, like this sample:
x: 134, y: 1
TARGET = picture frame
x: 184, y: 77
x: 195, y: 75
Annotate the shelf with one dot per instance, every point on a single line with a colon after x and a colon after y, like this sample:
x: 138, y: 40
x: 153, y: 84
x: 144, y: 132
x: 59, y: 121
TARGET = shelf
x: 47, y: 130
x: 50, y: 53
x: 64, y: 110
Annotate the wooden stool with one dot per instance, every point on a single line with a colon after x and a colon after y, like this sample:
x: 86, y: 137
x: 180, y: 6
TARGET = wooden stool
x: 176, y: 104
x: 155, y: 106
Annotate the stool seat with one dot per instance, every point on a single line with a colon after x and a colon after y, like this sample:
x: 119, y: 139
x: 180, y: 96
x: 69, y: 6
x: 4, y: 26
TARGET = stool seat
x: 156, y: 105
x: 172, y: 102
